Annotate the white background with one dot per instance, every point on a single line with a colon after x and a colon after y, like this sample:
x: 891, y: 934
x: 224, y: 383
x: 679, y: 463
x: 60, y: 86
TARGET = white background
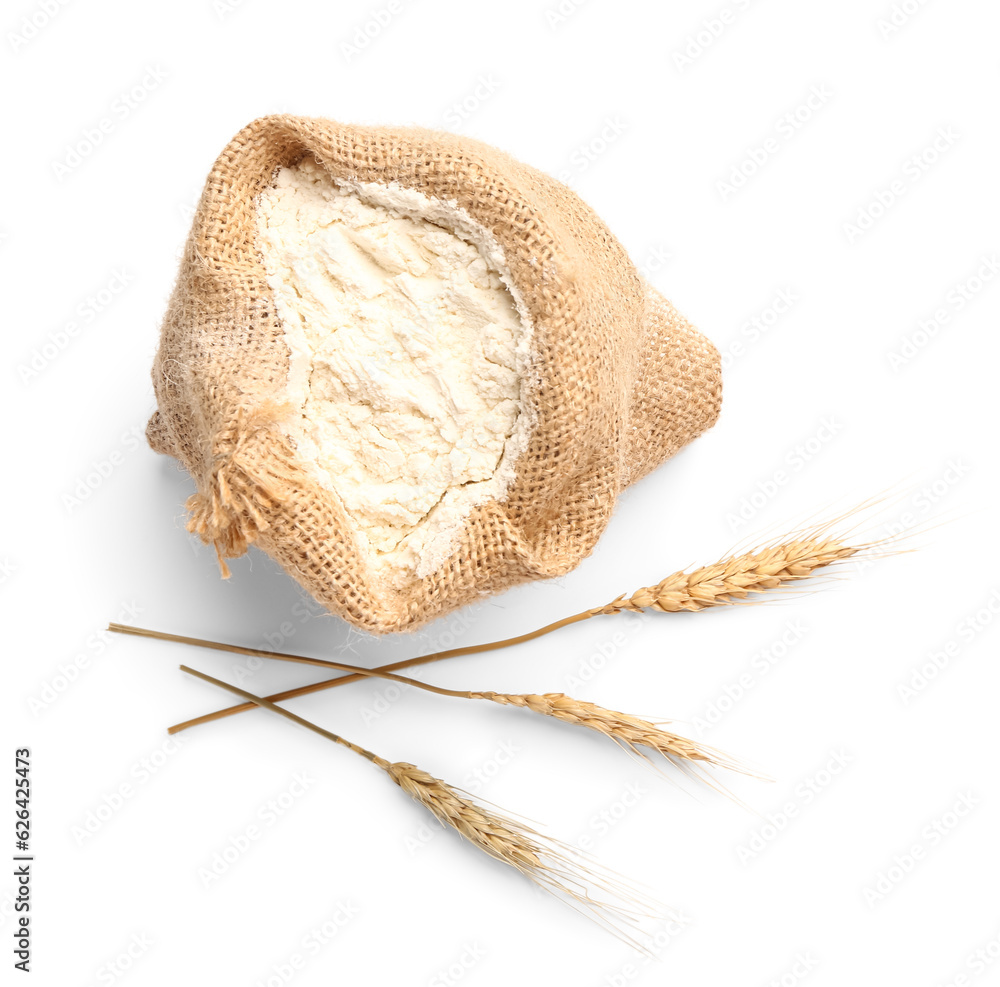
x: 597, y: 95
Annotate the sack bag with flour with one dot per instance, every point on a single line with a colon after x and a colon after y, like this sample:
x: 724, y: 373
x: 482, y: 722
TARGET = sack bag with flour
x: 412, y: 369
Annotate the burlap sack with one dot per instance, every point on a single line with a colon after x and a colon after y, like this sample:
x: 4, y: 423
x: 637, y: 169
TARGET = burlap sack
x: 622, y: 380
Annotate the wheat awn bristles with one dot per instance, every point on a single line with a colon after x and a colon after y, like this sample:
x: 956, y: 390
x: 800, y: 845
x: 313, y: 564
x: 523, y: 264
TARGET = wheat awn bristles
x: 542, y: 860
x: 637, y: 735
x: 546, y: 862
x: 732, y: 580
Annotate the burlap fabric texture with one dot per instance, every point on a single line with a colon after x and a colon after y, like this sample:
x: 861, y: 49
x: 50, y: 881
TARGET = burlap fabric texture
x: 621, y: 380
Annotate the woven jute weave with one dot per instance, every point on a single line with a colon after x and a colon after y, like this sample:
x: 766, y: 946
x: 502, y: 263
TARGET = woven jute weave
x: 620, y: 380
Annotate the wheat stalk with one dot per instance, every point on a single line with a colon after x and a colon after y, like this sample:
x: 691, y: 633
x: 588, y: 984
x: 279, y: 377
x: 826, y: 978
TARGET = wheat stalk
x: 633, y: 733
x: 545, y: 861
x: 730, y: 581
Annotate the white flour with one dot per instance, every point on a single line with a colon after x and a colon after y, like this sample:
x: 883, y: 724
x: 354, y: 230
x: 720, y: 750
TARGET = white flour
x: 408, y: 356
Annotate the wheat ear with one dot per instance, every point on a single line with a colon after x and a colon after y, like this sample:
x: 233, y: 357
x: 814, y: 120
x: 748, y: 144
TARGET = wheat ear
x: 731, y: 581
x: 545, y: 861
x: 636, y: 735
x: 549, y: 863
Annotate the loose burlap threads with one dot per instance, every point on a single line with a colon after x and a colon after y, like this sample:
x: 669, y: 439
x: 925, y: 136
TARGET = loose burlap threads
x: 619, y: 380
